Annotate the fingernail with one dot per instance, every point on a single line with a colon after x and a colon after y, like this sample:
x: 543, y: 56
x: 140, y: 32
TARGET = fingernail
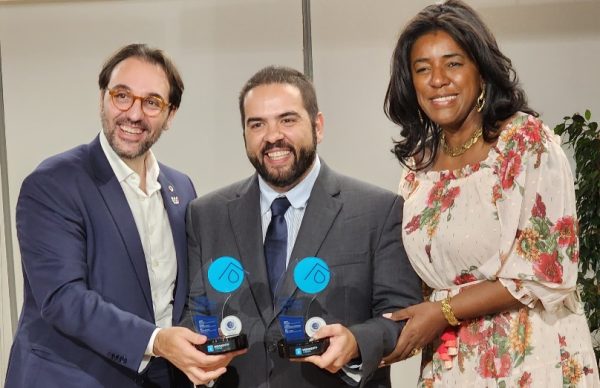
x: 387, y: 315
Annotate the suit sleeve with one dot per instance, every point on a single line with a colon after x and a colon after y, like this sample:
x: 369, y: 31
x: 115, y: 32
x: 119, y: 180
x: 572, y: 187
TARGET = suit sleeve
x: 197, y: 300
x: 54, y: 247
x: 395, y: 286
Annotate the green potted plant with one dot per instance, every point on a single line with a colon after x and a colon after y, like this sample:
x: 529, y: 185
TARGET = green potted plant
x: 583, y: 136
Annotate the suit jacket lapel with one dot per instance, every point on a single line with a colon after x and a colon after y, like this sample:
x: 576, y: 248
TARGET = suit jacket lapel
x: 176, y: 217
x: 115, y: 201
x: 245, y: 218
x: 322, y: 209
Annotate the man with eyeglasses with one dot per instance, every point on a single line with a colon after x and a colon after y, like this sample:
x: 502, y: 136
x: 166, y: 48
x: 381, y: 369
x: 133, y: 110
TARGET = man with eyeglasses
x: 101, y: 230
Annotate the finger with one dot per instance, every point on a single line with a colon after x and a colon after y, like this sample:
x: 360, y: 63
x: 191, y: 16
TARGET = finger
x: 189, y: 335
x: 328, y: 358
x: 195, y: 338
x: 317, y: 360
x: 326, y: 331
x: 406, y: 353
x: 214, y: 361
x: 206, y: 376
x: 323, y: 363
x: 397, y: 315
x: 401, y: 353
x: 199, y: 376
x: 389, y: 360
x: 220, y: 360
x: 237, y: 353
x: 227, y: 357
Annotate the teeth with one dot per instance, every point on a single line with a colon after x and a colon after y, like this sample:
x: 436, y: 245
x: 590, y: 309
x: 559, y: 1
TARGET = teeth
x: 131, y: 130
x: 278, y: 154
x: 444, y: 98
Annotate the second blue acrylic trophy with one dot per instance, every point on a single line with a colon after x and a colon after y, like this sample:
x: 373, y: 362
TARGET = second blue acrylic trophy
x: 311, y: 276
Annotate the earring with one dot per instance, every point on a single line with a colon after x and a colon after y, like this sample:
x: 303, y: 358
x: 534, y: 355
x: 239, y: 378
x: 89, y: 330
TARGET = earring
x: 479, y: 104
x: 420, y: 116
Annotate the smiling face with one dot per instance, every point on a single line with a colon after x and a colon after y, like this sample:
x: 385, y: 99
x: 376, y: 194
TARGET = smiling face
x: 446, y: 80
x: 281, y: 140
x: 131, y: 133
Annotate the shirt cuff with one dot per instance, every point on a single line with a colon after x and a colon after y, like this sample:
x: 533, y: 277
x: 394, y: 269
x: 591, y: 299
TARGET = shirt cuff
x: 352, y: 374
x: 149, y: 352
x: 150, y: 348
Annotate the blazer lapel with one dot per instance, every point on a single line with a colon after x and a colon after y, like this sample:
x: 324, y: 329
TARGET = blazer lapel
x: 115, y: 200
x: 175, y: 212
x: 322, y: 209
x: 244, y: 215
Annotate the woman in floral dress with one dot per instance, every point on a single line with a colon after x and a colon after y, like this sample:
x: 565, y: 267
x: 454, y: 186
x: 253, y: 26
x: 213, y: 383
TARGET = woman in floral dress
x: 489, y: 216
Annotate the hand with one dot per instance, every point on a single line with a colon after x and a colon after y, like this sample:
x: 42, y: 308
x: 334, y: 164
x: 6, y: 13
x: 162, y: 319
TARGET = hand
x: 342, y: 348
x: 425, y: 322
x: 177, y: 344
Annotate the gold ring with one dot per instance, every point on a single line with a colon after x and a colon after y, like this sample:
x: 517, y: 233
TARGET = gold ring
x: 414, y: 352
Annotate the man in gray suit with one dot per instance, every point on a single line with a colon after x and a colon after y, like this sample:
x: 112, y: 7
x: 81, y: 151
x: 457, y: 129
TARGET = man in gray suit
x: 354, y: 227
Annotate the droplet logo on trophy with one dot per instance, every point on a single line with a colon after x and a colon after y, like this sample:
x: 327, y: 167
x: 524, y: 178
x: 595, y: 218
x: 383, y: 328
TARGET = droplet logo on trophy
x: 226, y: 274
x: 312, y: 275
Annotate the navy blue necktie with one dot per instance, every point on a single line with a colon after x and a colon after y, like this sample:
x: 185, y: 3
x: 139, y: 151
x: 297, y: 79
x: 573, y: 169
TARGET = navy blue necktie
x: 276, y: 242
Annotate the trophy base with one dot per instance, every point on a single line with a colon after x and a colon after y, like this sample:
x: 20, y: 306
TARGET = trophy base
x: 224, y: 345
x: 302, y: 349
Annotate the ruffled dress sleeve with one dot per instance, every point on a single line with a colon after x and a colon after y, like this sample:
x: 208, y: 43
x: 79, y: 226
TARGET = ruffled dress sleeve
x: 535, y: 200
x: 408, y: 181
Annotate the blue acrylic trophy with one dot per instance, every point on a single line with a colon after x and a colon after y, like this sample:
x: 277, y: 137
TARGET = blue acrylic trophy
x: 225, y: 275
x: 312, y: 276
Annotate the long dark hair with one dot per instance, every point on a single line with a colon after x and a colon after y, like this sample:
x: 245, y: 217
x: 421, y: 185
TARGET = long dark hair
x: 503, y: 94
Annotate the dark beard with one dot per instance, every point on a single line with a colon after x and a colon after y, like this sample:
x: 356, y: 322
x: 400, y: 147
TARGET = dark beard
x: 303, y: 159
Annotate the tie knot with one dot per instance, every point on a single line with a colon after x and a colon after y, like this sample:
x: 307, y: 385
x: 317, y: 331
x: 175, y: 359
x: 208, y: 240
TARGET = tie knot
x: 279, y: 206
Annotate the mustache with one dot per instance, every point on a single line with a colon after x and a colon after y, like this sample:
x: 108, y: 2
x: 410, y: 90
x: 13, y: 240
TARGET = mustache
x: 130, y: 123
x: 278, y: 144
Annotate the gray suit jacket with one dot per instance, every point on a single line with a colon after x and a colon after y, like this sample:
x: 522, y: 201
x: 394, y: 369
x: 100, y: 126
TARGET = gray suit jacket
x: 354, y: 227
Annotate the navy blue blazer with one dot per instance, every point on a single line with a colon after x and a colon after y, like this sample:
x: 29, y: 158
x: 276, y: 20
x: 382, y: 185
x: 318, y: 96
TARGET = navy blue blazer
x: 87, y: 313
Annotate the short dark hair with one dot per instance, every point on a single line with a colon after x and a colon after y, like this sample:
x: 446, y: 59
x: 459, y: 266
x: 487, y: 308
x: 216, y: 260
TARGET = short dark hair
x: 151, y: 55
x: 282, y: 75
x: 503, y: 94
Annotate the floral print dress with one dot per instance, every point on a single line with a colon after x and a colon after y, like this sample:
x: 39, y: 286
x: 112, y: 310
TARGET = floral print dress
x: 509, y: 217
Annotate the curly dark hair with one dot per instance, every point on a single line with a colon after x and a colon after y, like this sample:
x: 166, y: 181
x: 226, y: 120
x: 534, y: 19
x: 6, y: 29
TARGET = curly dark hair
x: 504, y: 96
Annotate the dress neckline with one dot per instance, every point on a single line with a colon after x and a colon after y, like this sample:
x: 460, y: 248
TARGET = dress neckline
x: 471, y: 168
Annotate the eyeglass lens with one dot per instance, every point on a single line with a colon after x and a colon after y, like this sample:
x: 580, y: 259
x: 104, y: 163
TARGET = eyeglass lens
x: 124, y: 99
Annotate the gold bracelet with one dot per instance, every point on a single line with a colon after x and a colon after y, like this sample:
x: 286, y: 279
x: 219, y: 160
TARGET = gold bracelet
x: 448, y: 312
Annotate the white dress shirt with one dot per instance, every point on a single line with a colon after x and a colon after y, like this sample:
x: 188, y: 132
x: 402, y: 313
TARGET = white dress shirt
x: 154, y: 229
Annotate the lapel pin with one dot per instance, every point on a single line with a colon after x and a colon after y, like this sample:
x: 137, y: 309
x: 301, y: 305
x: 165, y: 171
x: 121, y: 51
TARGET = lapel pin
x: 175, y: 200
x: 171, y: 188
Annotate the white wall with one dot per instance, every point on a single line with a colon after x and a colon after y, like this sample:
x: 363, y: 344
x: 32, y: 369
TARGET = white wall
x: 52, y: 52
x: 5, y: 317
x: 554, y: 45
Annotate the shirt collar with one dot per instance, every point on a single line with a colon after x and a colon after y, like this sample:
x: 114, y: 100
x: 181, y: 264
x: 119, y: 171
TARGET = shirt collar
x: 123, y: 171
x: 298, y: 195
